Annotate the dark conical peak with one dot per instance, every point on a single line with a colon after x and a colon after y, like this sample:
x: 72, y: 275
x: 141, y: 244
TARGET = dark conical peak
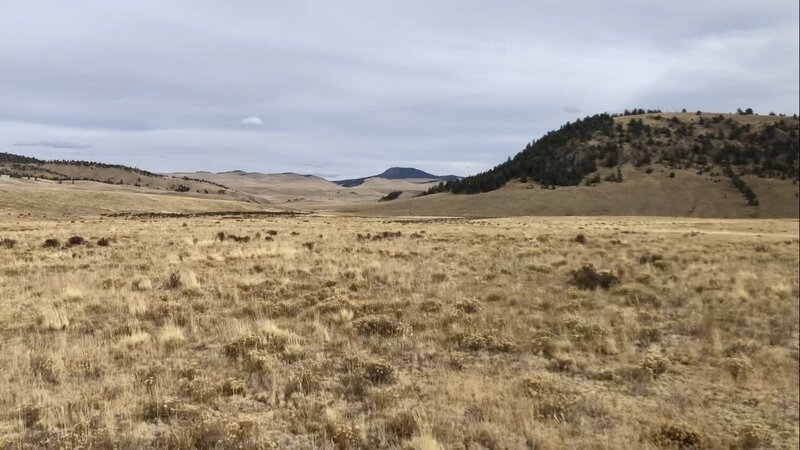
x: 394, y: 173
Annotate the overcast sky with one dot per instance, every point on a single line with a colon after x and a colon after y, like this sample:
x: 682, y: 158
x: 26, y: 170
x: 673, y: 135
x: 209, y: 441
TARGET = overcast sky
x: 349, y: 88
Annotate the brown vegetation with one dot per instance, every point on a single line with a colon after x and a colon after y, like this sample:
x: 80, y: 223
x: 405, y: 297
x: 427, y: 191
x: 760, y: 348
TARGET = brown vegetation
x: 411, y: 334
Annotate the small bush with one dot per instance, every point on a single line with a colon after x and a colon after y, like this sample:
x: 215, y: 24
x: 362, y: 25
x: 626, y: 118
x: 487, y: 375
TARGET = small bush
x: 474, y: 341
x: 8, y: 243
x: 676, y: 435
x: 174, y: 281
x: 390, y: 196
x: 379, y: 372
x: 343, y: 436
x: 233, y: 386
x: 755, y: 435
x: 103, y: 242
x: 468, y: 306
x: 51, y: 243
x: 45, y: 367
x: 654, y: 364
x: 588, y: 278
x: 580, y: 239
x: 378, y: 325
x: 75, y: 240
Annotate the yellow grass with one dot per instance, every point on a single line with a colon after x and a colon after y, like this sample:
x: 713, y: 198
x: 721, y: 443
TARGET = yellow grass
x: 453, y: 334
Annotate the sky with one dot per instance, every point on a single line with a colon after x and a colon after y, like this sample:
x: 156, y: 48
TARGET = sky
x: 348, y: 88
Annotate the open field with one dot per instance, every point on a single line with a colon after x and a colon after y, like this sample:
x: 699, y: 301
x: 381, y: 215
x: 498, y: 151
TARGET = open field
x: 344, y: 333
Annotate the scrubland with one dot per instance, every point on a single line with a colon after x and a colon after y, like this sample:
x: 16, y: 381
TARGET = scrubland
x: 346, y: 333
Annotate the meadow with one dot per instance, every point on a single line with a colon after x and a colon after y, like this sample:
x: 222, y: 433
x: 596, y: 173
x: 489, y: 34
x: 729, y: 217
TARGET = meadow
x: 345, y: 333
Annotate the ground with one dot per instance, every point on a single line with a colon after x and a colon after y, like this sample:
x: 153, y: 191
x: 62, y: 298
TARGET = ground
x: 345, y: 333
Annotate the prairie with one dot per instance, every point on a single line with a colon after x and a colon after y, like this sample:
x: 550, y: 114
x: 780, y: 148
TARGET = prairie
x: 344, y: 333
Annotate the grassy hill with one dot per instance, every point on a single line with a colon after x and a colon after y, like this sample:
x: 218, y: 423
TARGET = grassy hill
x: 661, y: 164
x: 18, y: 166
x: 686, y: 194
x: 736, y: 145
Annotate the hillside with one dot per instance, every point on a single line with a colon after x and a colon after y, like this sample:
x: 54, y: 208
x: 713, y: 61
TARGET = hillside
x: 61, y: 171
x: 49, y: 199
x: 686, y: 194
x: 645, y: 163
x: 399, y: 173
x: 735, y: 145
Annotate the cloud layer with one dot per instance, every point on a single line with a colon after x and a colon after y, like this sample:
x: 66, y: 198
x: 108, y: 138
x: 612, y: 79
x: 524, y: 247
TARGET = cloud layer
x: 448, y: 86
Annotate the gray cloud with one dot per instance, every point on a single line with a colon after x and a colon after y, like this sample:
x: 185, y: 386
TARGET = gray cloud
x: 53, y: 144
x: 449, y: 86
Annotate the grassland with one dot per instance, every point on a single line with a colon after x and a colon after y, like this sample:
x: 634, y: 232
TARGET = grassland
x: 345, y: 333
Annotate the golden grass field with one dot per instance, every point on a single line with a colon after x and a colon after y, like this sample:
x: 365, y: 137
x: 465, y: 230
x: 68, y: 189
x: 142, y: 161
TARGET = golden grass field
x: 346, y: 333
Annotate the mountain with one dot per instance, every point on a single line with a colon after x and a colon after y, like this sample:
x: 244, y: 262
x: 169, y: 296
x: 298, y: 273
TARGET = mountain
x: 736, y: 145
x: 398, y: 173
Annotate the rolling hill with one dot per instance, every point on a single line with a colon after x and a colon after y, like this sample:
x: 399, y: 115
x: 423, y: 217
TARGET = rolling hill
x: 61, y: 171
x: 663, y: 164
x: 312, y: 192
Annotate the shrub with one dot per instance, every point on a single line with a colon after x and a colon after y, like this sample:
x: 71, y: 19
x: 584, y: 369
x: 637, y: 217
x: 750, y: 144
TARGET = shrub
x: 51, y: 243
x: 676, y: 435
x: 8, y: 243
x: 379, y: 372
x: 654, y: 365
x: 474, y: 341
x: 45, y: 367
x: 343, y: 436
x: 174, y: 281
x: 580, y: 239
x: 233, y: 386
x: 469, y: 306
x: 390, y: 196
x: 378, y: 325
x: 75, y: 240
x: 103, y: 242
x: 588, y: 278
x: 755, y: 435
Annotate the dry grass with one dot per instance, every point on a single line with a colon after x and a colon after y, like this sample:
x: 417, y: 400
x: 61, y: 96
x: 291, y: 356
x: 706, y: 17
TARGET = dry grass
x: 505, y: 333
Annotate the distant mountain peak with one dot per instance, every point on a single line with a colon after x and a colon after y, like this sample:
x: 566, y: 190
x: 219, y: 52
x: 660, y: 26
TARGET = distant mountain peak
x: 397, y: 173
x: 394, y: 173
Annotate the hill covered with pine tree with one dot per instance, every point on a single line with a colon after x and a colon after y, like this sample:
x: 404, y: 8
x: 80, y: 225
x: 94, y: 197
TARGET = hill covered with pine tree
x: 731, y: 144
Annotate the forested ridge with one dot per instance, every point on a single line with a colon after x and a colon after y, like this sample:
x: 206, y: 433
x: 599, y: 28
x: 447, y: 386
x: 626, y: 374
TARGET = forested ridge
x: 741, y: 144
